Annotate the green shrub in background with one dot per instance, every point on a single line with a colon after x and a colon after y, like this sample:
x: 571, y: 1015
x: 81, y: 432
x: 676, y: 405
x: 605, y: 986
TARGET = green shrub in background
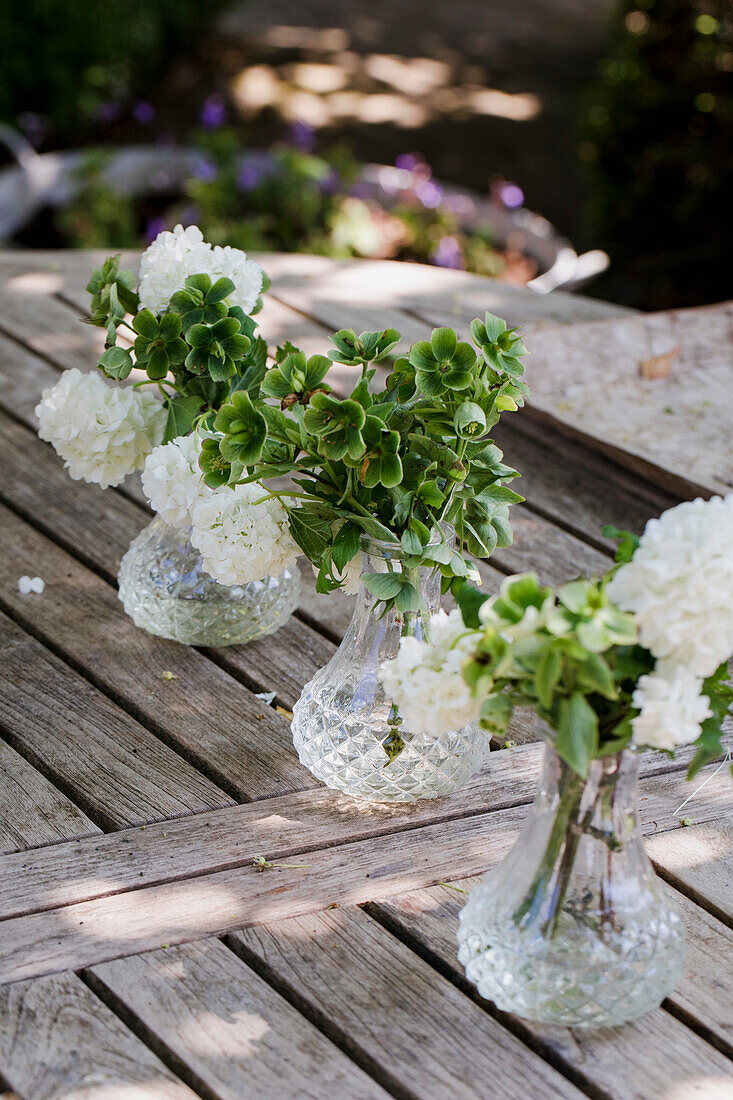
x: 66, y: 59
x: 657, y: 141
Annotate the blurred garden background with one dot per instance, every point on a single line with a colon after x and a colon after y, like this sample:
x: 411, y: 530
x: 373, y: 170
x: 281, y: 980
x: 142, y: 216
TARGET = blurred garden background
x: 385, y: 128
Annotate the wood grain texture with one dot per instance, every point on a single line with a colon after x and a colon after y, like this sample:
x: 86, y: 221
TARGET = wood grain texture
x: 392, y: 1007
x: 180, y: 911
x: 587, y: 378
x: 58, y: 1040
x: 203, y: 712
x: 655, y: 1058
x: 239, y: 1037
x: 700, y: 862
x: 282, y: 827
x: 114, y: 769
x: 32, y: 810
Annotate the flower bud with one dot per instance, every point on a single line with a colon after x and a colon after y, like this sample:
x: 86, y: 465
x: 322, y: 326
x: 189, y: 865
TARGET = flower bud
x: 469, y: 420
x: 504, y: 403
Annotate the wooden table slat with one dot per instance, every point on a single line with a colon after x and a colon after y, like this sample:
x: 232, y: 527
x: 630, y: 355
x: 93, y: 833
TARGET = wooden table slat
x: 113, y: 768
x: 432, y: 1039
x: 229, y: 1027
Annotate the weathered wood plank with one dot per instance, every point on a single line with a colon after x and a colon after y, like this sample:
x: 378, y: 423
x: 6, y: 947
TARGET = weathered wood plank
x: 32, y: 811
x: 587, y: 378
x: 51, y: 328
x: 568, y: 482
x: 700, y: 862
x: 117, y: 771
x: 84, y: 933
x: 653, y: 1059
x: 396, y: 1010
x: 58, y: 1040
x: 239, y: 1036
x: 202, y: 711
x: 321, y: 818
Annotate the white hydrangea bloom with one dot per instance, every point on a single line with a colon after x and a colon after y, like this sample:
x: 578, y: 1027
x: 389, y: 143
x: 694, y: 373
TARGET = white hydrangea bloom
x: 173, y: 256
x: 244, y: 273
x: 671, y: 708
x: 103, y: 433
x: 679, y: 585
x: 240, y: 541
x: 425, y: 679
x: 168, y: 262
x: 172, y: 480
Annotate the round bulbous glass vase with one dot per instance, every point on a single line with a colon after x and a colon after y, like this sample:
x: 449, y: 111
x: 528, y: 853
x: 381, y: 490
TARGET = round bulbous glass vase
x: 574, y: 928
x: 346, y: 729
x: 166, y: 592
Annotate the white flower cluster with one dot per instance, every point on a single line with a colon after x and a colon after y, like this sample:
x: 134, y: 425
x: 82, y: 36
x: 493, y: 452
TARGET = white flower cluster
x: 425, y: 679
x: 173, y: 256
x: 241, y: 541
x: 679, y: 585
x: 173, y: 482
x: 103, y: 433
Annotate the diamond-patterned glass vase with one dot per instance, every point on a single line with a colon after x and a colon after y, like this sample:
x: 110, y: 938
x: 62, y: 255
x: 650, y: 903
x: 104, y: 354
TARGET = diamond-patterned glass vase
x: 574, y: 928
x: 350, y: 734
x: 165, y: 591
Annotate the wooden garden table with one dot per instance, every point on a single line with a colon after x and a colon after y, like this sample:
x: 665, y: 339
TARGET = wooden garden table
x: 142, y: 953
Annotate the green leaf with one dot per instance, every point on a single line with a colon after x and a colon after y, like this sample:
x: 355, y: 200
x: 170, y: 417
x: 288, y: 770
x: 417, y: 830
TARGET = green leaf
x: 345, y: 545
x: 182, y: 411
x: 469, y: 600
x: 383, y: 586
x: 116, y: 363
x: 547, y: 676
x: 408, y: 599
x: 311, y: 532
x: 577, y: 733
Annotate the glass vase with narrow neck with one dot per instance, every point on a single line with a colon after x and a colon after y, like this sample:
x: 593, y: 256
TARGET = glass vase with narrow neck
x: 165, y: 591
x: 346, y: 729
x: 574, y: 928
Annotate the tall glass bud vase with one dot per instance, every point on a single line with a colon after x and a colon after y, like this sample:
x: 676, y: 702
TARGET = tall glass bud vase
x: 165, y: 591
x: 574, y: 928
x: 350, y: 734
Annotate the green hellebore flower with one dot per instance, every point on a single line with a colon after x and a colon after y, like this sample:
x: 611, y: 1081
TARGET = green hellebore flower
x: 381, y: 464
x: 442, y: 363
x: 200, y: 301
x: 338, y: 424
x: 244, y: 428
x: 499, y: 345
x: 158, y: 345
x: 469, y: 420
x: 113, y: 296
x: 295, y: 378
x: 216, y: 469
x: 367, y: 347
x: 216, y: 349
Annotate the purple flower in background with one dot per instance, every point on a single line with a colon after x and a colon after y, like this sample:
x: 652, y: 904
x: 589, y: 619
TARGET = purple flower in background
x: 302, y: 136
x: 408, y: 161
x: 362, y: 189
x: 213, y: 114
x: 429, y: 194
x: 189, y: 216
x: 153, y: 228
x: 447, y: 253
x: 108, y: 111
x: 510, y: 195
x: 143, y: 112
x: 460, y: 205
x: 205, y: 168
x: 331, y: 182
x: 253, y: 169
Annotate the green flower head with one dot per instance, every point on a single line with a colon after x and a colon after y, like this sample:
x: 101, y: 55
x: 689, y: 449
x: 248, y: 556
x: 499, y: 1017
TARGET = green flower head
x: 381, y: 464
x: 201, y: 301
x: 158, y: 345
x: 499, y: 345
x: 295, y: 379
x: 367, y: 347
x: 338, y: 424
x: 216, y: 469
x: 442, y: 363
x: 216, y: 349
x: 244, y: 428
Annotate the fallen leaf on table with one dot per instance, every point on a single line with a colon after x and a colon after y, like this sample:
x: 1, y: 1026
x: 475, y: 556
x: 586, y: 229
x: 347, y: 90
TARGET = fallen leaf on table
x: 657, y: 366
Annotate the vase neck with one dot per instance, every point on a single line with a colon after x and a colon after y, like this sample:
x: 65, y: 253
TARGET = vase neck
x: 604, y: 801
